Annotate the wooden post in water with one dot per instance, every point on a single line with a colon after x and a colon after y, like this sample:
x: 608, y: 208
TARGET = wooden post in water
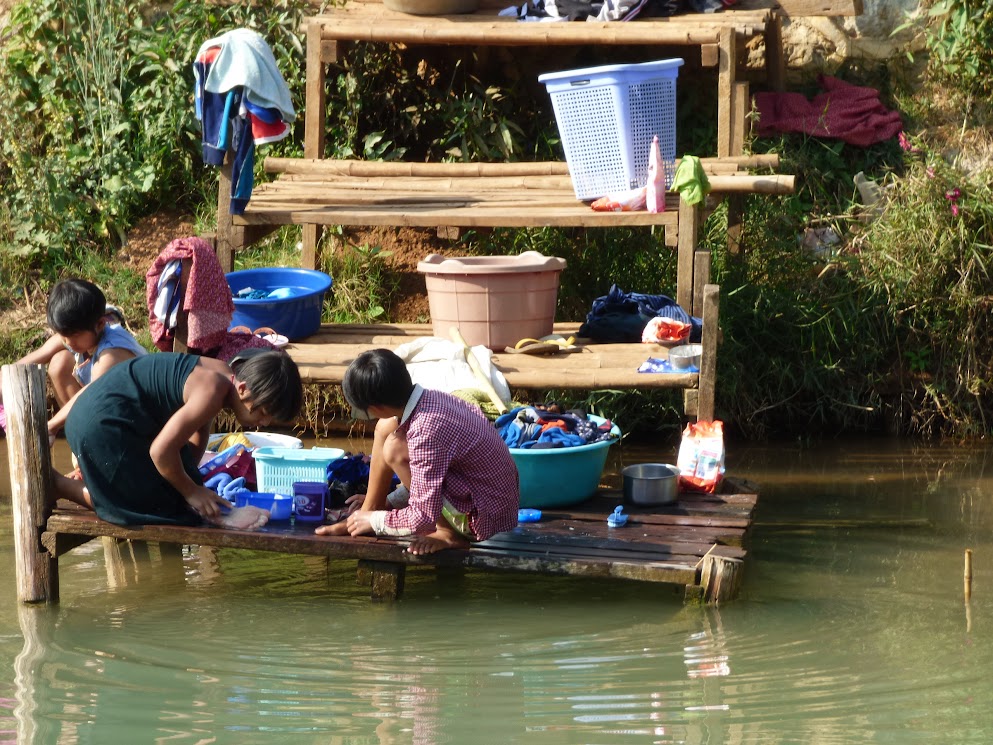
x: 29, y: 461
x: 720, y: 578
x: 967, y: 577
x: 385, y: 578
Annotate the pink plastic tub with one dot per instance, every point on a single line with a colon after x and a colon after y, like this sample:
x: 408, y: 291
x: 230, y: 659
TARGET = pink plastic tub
x: 493, y: 300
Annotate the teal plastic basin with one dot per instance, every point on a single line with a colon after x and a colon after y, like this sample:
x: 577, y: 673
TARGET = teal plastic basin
x: 558, y: 477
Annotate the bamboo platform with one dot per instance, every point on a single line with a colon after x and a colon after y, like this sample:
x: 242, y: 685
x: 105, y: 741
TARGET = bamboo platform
x: 696, y: 546
x: 324, y: 357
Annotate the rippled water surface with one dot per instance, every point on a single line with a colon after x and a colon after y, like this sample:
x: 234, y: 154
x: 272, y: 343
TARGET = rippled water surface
x: 852, y: 628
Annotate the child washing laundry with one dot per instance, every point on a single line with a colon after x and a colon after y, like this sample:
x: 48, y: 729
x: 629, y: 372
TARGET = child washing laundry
x: 88, y: 338
x: 140, y: 430
x: 458, y: 480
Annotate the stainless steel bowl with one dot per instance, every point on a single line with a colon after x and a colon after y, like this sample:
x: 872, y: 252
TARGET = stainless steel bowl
x: 650, y: 484
x: 685, y: 356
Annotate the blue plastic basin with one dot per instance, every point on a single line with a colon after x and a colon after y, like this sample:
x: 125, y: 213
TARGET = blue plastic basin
x: 557, y: 477
x: 295, y: 314
x: 280, y: 506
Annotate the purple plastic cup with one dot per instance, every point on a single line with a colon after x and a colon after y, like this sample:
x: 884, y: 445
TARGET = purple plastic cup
x: 309, y: 498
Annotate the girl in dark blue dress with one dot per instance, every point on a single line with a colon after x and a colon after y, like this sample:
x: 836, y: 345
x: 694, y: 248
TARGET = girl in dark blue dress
x: 140, y: 430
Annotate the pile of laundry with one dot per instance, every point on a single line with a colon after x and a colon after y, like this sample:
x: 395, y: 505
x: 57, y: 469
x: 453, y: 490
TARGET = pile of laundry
x: 529, y: 427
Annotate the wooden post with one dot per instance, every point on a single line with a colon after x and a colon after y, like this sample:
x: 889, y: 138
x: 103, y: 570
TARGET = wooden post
x: 726, y: 72
x: 720, y: 578
x: 29, y: 461
x: 967, y: 577
x: 701, y: 278
x: 708, y: 359
x: 689, y: 227
x: 775, y: 63
x: 736, y: 225
x: 385, y: 577
x: 314, y: 131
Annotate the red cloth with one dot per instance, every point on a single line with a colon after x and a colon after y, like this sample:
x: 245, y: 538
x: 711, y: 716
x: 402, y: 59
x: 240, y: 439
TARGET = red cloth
x: 843, y: 111
x: 208, y: 297
x: 234, y: 343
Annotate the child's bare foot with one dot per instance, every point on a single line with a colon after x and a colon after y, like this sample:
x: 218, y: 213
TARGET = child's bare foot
x: 73, y: 490
x: 242, y: 518
x: 437, y: 541
x: 338, y: 528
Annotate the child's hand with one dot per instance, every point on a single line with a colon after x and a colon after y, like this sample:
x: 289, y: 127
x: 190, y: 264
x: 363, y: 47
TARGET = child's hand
x: 353, y: 503
x: 206, y: 503
x: 359, y: 524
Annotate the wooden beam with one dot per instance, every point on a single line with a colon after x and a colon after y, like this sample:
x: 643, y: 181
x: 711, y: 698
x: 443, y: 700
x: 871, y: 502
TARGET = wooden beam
x: 340, y: 167
x: 230, y: 237
x: 689, y: 227
x: 30, y: 466
x: 726, y: 71
x: 775, y: 60
x: 385, y: 579
x: 708, y: 360
x: 721, y: 578
x: 319, y: 53
x: 701, y: 277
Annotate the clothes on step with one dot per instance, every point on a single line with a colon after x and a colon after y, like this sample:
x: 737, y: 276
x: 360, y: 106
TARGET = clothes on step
x: 207, y: 300
x: 241, y: 101
x: 110, y: 429
x: 244, y: 60
x: 851, y: 113
x: 441, y: 364
x: 530, y: 428
x: 691, y: 180
x: 622, y: 316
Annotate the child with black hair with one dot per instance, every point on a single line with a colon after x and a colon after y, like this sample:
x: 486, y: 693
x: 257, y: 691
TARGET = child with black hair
x: 459, y: 480
x: 140, y: 430
x: 88, y: 338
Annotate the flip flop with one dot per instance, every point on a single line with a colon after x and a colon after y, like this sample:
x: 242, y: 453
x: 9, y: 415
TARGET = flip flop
x: 545, y: 345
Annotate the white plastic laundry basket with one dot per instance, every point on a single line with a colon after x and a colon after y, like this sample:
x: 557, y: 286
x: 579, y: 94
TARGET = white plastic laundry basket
x: 607, y: 117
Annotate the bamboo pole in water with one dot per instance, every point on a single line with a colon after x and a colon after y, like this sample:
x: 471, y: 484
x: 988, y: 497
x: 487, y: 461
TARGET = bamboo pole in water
x: 967, y: 577
x: 29, y: 461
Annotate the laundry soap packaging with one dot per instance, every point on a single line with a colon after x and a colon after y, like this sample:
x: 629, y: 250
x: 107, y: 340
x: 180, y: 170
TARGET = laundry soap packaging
x: 701, y: 457
x: 309, y: 500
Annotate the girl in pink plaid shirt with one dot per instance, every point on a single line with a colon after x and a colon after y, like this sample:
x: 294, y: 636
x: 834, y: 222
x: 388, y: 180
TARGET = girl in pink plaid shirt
x: 460, y: 481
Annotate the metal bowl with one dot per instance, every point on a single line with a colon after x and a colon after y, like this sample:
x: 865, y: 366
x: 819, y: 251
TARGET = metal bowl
x: 650, y: 484
x: 686, y: 356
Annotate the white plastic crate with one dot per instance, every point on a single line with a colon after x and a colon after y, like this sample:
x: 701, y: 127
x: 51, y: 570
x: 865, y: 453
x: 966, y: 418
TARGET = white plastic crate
x: 607, y: 117
x: 277, y: 468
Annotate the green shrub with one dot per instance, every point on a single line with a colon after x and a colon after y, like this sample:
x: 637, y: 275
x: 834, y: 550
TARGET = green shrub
x: 958, y: 38
x: 98, y: 118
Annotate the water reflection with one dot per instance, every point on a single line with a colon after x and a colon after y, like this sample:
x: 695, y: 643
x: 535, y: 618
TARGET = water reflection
x: 853, y: 628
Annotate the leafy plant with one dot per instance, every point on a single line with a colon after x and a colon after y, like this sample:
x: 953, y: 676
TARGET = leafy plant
x: 958, y: 38
x: 362, y: 284
x: 98, y: 122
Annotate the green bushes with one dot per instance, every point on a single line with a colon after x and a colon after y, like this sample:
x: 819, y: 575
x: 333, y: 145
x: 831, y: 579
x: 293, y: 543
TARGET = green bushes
x: 929, y: 260
x: 958, y: 39
x: 98, y: 126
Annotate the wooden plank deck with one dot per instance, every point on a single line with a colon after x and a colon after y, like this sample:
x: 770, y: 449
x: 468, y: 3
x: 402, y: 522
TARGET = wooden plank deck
x: 698, y: 544
x: 324, y: 357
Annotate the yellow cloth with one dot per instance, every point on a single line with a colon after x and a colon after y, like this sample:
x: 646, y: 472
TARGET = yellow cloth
x: 691, y: 180
x: 235, y: 438
x: 479, y: 397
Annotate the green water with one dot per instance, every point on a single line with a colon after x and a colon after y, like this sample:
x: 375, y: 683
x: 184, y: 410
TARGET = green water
x: 852, y: 628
